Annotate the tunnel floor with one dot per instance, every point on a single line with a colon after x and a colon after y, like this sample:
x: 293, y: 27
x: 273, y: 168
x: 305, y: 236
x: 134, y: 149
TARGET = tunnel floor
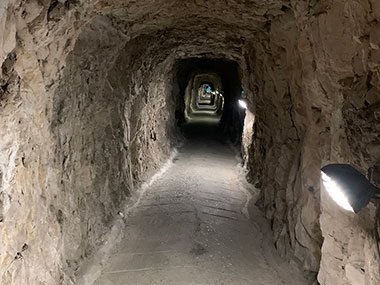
x: 191, y: 228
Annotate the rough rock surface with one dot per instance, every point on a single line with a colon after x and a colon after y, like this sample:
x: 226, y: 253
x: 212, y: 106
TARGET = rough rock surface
x: 317, y: 74
x: 87, y: 113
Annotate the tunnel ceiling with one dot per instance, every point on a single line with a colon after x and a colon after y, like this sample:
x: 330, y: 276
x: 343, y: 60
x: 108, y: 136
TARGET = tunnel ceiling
x: 145, y: 15
x: 199, y: 28
x: 212, y: 28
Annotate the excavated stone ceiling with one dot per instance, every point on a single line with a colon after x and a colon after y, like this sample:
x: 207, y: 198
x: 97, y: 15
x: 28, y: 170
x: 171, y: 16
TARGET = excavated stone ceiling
x: 213, y: 22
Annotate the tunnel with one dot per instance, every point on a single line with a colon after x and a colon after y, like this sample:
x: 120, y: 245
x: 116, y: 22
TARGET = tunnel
x: 185, y: 142
x: 218, y: 106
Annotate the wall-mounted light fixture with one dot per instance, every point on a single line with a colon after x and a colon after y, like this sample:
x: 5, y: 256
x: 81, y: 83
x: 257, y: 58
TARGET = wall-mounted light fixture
x: 243, y: 104
x: 350, y: 189
x: 242, y: 101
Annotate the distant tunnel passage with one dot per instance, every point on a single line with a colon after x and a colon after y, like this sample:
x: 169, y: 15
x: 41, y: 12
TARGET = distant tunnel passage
x: 220, y: 105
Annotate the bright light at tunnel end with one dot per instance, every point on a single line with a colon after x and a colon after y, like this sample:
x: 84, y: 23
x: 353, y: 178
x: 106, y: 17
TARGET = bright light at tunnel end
x: 336, y: 192
x: 243, y: 104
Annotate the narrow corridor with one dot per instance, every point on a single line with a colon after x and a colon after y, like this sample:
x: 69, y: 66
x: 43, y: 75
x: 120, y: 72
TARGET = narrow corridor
x: 94, y: 96
x: 191, y: 226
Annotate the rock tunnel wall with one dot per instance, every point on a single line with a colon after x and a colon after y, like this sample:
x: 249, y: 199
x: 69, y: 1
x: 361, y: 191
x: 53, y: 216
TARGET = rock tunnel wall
x: 278, y: 143
x: 315, y: 96
x: 76, y: 144
x: 87, y: 108
x: 113, y: 128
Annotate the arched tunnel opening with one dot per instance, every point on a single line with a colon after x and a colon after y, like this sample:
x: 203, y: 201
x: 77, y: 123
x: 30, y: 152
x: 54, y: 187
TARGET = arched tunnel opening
x: 189, y: 142
x: 219, y: 113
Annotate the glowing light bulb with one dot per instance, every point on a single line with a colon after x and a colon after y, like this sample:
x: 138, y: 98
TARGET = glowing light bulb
x: 243, y: 104
x: 336, y: 192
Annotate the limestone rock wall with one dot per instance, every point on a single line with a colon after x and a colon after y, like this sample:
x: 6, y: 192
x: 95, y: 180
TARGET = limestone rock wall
x: 82, y: 115
x: 280, y: 151
x: 350, y: 251
x: 28, y: 224
x: 314, y: 97
x: 150, y: 129
x: 111, y: 128
x: 89, y: 152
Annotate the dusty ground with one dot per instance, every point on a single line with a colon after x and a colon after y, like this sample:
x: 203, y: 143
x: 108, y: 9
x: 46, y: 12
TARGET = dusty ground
x: 191, y: 228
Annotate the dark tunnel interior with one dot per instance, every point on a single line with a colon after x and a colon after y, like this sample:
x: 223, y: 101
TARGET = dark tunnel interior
x: 230, y: 124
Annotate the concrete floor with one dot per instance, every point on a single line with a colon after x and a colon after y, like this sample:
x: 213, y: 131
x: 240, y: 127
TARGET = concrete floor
x: 190, y: 227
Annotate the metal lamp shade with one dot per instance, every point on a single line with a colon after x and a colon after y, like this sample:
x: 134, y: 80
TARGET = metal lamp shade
x: 356, y: 187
